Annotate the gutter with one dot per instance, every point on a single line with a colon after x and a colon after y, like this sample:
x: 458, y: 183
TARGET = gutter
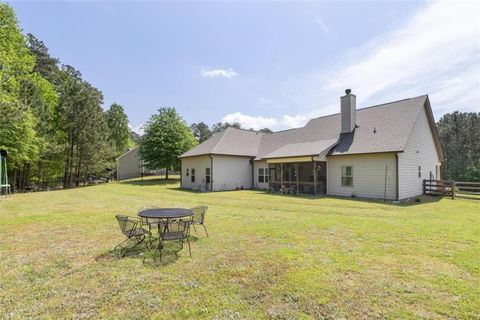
x: 397, y: 192
x: 253, y: 172
x: 181, y: 173
x: 211, y: 172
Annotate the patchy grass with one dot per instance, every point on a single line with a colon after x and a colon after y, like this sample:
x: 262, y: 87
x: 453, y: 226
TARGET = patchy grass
x: 268, y: 256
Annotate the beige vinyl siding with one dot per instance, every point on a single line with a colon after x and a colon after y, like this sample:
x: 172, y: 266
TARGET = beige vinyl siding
x: 368, y: 175
x: 257, y: 165
x: 129, y: 165
x: 231, y: 173
x: 227, y: 173
x: 420, y: 151
x: 199, y: 163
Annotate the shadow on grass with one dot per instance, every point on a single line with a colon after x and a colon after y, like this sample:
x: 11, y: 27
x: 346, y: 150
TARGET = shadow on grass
x: 149, y: 253
x: 187, y: 190
x: 150, y: 182
x: 423, y: 199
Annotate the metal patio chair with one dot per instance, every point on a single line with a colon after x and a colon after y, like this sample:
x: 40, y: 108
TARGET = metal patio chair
x: 175, y: 230
x: 131, y: 228
x: 198, y: 217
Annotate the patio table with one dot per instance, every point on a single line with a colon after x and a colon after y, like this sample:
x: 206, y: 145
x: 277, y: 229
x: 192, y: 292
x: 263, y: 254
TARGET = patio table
x: 165, y: 214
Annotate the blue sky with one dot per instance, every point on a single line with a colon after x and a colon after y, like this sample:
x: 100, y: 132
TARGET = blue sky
x: 271, y: 64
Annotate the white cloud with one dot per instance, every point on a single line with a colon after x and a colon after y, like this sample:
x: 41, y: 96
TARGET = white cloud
x: 435, y: 52
x: 254, y: 122
x: 214, y: 73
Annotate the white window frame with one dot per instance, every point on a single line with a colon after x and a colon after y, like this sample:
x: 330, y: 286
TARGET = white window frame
x: 208, y: 175
x: 264, y: 175
x: 344, y: 177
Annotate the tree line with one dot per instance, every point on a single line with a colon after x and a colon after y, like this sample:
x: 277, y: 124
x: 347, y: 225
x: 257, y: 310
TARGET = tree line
x: 51, y: 120
x: 56, y: 132
x: 202, y: 131
x: 459, y: 134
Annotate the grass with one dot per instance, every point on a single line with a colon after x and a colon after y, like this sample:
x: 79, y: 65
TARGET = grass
x: 268, y: 256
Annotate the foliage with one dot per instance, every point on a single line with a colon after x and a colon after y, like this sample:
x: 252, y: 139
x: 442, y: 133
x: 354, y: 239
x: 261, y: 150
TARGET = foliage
x: 460, y: 138
x: 265, y: 130
x: 166, y: 138
x: 119, y: 133
x: 201, y: 131
x: 219, y: 126
x: 17, y: 133
x: 53, y: 125
x: 16, y: 61
x: 45, y: 65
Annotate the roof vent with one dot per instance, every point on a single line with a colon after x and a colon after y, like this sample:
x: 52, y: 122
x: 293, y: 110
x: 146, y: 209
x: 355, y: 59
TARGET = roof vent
x: 374, y: 129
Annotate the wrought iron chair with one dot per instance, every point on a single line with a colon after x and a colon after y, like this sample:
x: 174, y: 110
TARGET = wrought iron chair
x: 152, y: 223
x: 198, y: 217
x: 175, y: 230
x: 131, y: 228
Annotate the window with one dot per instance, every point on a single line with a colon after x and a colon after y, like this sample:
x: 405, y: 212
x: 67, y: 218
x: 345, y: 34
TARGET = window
x: 192, y: 177
x: 347, y: 176
x: 419, y: 171
x: 262, y: 175
x: 187, y: 172
x: 207, y: 175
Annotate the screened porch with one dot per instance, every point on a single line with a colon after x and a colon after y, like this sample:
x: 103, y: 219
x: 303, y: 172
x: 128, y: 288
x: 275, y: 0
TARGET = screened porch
x: 298, y: 177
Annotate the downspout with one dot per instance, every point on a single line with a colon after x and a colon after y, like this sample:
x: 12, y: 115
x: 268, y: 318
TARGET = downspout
x: 397, y: 195
x: 253, y: 172
x: 211, y: 172
x: 181, y: 174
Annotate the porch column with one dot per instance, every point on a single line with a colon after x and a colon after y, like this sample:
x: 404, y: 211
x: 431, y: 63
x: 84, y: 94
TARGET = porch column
x: 314, y: 178
x: 281, y: 176
x: 296, y: 170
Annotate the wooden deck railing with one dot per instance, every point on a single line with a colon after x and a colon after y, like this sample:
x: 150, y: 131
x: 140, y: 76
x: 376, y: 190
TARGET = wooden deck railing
x: 452, y: 188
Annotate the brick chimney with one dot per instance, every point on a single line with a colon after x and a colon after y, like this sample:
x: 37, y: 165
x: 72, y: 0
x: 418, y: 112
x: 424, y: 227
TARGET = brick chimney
x: 348, y: 106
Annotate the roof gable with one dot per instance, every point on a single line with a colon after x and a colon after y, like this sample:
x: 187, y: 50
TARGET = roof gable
x: 230, y: 141
x: 381, y: 128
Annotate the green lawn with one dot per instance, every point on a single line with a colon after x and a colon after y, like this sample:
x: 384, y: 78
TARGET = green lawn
x: 268, y: 256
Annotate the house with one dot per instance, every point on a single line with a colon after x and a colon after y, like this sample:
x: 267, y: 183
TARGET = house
x: 129, y: 165
x: 383, y: 151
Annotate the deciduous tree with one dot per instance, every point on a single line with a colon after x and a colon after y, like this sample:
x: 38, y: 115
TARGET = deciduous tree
x: 166, y: 137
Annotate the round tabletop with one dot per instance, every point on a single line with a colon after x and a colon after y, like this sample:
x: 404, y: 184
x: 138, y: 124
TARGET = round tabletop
x: 165, y: 213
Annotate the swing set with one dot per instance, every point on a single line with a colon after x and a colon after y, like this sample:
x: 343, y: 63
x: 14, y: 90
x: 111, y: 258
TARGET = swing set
x: 5, y: 188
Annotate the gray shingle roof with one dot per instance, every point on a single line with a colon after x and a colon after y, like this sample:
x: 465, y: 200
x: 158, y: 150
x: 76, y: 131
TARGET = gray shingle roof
x: 301, y: 149
x: 231, y: 141
x: 392, y: 123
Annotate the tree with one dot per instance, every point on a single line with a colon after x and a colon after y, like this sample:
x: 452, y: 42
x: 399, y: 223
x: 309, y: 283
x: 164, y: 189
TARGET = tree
x: 265, y: 130
x: 45, y: 65
x: 201, y: 131
x: 119, y: 133
x: 135, y: 137
x: 166, y: 137
x: 219, y: 126
x: 460, y: 138
x: 19, y: 137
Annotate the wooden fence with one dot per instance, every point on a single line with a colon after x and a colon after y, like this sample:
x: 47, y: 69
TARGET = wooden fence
x: 452, y: 188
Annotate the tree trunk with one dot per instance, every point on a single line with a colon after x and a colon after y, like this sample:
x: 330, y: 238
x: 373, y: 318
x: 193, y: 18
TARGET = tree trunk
x: 166, y: 174
x: 78, y: 169
x: 14, y: 180
x: 85, y: 176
